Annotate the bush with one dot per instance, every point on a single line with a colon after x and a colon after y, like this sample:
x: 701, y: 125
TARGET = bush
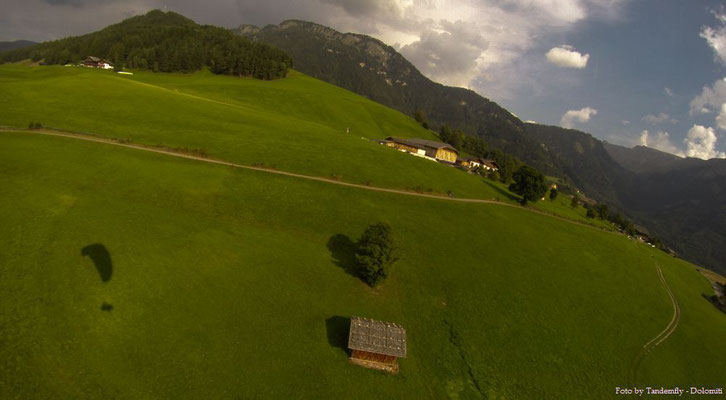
x: 575, y: 201
x: 375, y: 253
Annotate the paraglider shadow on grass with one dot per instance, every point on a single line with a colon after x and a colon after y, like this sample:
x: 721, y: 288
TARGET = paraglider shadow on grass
x: 101, y: 259
x: 337, y: 329
x: 342, y: 249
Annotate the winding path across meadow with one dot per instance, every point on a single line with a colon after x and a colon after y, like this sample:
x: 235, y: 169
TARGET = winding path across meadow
x: 659, y: 338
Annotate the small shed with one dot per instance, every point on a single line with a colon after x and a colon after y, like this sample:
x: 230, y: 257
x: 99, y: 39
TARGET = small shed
x: 376, y: 344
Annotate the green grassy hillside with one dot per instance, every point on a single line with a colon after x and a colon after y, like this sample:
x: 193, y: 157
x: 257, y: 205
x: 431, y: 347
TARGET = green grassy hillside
x: 296, y: 124
x: 228, y: 283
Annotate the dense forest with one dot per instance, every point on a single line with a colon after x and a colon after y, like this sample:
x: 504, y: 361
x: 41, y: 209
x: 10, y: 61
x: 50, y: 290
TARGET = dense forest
x: 164, y: 42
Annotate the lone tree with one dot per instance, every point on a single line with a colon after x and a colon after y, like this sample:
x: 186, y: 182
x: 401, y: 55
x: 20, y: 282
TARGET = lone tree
x: 591, y: 213
x: 375, y: 253
x: 529, y: 184
x: 553, y: 194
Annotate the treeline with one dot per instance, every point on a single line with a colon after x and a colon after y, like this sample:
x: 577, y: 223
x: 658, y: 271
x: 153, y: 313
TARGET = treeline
x: 164, y: 42
x: 508, y: 164
x: 603, y: 212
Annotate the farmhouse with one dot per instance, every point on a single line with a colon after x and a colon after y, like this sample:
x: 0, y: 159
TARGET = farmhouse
x: 490, y: 165
x: 376, y: 344
x: 425, y: 148
x: 470, y: 162
x: 95, y: 62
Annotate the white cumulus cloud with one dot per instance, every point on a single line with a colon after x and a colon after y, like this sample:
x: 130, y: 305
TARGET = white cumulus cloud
x: 710, y: 99
x: 701, y: 143
x: 581, y: 115
x: 716, y: 36
x: 660, y: 141
x: 566, y: 56
x: 721, y: 118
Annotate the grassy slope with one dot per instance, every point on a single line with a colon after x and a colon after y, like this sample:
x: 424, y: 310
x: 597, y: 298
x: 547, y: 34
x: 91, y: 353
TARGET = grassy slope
x: 294, y: 124
x: 686, y: 358
x: 225, y: 284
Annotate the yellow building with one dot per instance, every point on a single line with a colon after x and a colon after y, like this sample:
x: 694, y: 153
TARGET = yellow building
x: 422, y: 147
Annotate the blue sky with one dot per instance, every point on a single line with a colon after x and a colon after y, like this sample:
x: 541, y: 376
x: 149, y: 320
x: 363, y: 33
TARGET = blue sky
x: 628, y: 71
x: 650, y: 60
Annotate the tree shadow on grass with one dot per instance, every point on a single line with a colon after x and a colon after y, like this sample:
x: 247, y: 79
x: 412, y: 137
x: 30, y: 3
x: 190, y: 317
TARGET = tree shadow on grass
x: 101, y: 260
x: 342, y: 249
x: 337, y: 328
x: 502, y: 191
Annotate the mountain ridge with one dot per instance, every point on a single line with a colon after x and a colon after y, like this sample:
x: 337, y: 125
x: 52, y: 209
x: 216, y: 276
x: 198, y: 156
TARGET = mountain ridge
x: 368, y: 66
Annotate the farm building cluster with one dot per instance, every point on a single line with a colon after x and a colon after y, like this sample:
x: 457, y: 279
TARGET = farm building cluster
x: 438, y: 151
x: 95, y: 62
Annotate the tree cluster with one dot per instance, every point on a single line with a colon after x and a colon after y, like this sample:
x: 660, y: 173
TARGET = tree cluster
x: 164, y: 42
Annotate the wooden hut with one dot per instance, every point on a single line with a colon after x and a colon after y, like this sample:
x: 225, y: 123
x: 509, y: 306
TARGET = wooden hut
x: 376, y: 344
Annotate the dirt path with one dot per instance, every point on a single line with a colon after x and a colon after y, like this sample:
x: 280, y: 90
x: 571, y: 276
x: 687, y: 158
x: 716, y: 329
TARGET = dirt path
x: 173, y: 153
x: 659, y: 338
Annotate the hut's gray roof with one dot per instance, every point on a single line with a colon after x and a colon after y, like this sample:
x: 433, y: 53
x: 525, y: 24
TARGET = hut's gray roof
x: 377, y: 337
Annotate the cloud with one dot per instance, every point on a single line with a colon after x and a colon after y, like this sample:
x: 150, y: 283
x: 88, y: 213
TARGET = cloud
x: 701, y: 143
x: 721, y: 118
x: 660, y: 141
x: 668, y: 91
x: 710, y: 98
x: 626, y: 122
x: 358, y: 8
x: 716, y: 37
x: 449, y: 53
x: 582, y: 115
x: 660, y: 118
x: 566, y: 56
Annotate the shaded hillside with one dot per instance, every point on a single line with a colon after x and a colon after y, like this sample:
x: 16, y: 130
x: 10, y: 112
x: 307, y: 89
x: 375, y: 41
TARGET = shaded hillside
x: 165, y: 42
x: 373, y: 69
x: 586, y: 161
x: 682, y: 200
x: 16, y: 44
x: 642, y: 159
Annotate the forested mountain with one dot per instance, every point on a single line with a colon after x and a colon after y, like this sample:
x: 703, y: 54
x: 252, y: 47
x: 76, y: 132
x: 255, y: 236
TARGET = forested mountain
x: 166, y: 42
x: 642, y: 159
x: 373, y: 69
x: 586, y: 162
x: 15, y: 44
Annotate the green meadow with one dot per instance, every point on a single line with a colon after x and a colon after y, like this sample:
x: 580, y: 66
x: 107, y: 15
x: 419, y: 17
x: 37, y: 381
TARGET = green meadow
x: 229, y: 283
x: 297, y: 124
x: 221, y: 282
